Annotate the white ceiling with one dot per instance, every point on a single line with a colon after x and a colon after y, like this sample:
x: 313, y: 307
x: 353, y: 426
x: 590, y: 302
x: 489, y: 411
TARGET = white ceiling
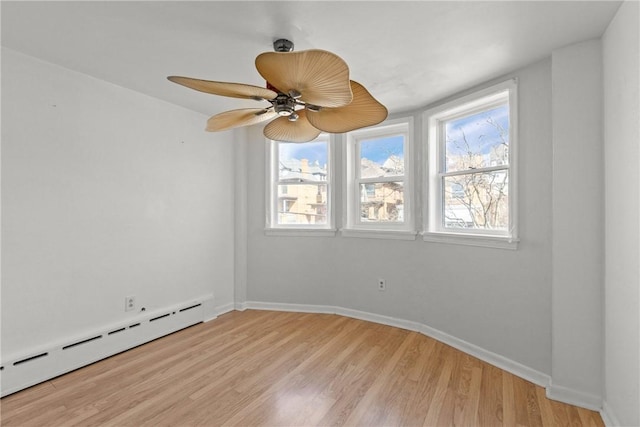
x: 407, y: 54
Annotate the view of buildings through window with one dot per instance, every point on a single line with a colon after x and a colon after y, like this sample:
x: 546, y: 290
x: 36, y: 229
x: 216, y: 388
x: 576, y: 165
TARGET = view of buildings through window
x: 302, y: 183
x: 475, y: 179
x: 380, y: 179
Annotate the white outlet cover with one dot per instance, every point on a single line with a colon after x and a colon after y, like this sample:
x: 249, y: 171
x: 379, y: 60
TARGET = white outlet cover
x: 129, y: 303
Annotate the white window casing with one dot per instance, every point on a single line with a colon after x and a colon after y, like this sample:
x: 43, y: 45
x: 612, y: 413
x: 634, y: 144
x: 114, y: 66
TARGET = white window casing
x: 435, y: 225
x: 278, y: 207
x: 400, y: 223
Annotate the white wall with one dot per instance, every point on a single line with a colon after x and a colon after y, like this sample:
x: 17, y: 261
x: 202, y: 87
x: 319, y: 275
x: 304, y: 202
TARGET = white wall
x: 577, y: 224
x: 499, y: 300
x: 622, y: 185
x: 105, y: 193
x: 240, y: 215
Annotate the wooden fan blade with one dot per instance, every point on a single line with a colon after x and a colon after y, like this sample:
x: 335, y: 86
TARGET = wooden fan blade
x: 236, y: 118
x: 282, y: 129
x: 321, y: 77
x: 234, y: 90
x: 363, y: 111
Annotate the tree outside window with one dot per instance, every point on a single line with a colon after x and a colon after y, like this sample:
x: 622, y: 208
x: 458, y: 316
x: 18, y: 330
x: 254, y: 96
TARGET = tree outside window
x: 470, y: 165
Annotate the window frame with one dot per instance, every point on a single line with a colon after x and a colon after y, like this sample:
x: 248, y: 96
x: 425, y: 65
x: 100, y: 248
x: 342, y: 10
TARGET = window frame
x: 434, y: 120
x: 272, y: 228
x: 352, y: 224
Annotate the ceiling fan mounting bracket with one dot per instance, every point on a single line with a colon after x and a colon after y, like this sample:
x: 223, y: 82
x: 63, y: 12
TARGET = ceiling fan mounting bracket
x: 283, y: 45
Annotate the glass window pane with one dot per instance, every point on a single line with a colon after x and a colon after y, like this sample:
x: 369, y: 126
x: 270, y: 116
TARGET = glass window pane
x: 477, y: 201
x: 478, y: 140
x: 305, y: 162
x: 302, y: 204
x: 382, y: 157
x: 382, y: 202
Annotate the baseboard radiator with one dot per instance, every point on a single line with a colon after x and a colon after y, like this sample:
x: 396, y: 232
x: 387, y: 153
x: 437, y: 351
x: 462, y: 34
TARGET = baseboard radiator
x: 47, y: 363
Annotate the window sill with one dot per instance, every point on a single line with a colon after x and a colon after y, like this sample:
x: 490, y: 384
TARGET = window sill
x: 300, y: 232
x: 498, y: 242
x: 379, y: 234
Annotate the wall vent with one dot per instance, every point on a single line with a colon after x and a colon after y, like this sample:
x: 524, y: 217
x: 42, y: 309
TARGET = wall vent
x: 189, y: 308
x: 29, y: 359
x: 97, y: 337
x: 159, y: 317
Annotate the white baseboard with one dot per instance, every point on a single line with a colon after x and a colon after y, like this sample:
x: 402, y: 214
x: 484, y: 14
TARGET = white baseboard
x: 209, y: 310
x: 222, y: 309
x: 574, y: 397
x: 298, y: 308
x: 51, y: 360
x: 494, y: 359
x: 504, y: 363
x: 378, y: 318
x: 610, y: 420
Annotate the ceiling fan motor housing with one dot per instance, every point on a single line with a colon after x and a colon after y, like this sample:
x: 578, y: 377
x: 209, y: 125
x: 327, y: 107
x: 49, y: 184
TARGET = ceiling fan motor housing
x: 284, y: 105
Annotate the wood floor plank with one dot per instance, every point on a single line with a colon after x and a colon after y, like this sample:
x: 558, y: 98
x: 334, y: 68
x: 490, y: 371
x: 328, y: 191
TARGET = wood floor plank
x: 393, y: 394
x: 367, y: 362
x: 520, y: 401
x: 490, y: 407
x: 546, y: 410
x: 533, y: 407
x: 421, y: 380
x: 560, y: 414
x: 441, y: 389
x: 252, y: 410
x: 262, y: 368
x: 367, y: 412
x: 574, y: 416
x: 448, y: 410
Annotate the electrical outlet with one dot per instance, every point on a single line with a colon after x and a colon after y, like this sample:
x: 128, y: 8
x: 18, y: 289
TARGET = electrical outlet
x: 130, y: 303
x: 382, y: 285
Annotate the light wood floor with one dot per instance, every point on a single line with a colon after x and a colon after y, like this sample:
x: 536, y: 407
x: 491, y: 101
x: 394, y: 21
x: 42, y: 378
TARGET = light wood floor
x: 270, y: 368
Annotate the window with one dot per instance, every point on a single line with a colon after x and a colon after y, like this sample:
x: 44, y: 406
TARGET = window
x: 471, y: 191
x: 379, y: 186
x: 300, y: 185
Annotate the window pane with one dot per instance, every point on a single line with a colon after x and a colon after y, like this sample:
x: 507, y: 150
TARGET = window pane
x: 477, y: 201
x: 382, y: 157
x: 302, y: 204
x: 305, y: 162
x: 477, y: 141
x: 382, y: 202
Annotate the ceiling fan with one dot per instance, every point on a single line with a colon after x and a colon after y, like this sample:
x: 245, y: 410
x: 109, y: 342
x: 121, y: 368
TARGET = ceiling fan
x: 309, y: 92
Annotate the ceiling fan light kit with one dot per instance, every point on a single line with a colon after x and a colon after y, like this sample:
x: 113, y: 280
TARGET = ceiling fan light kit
x: 311, y: 81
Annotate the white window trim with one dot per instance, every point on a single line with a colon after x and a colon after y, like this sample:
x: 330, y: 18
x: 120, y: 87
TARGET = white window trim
x: 272, y: 228
x: 434, y: 155
x: 352, y: 226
